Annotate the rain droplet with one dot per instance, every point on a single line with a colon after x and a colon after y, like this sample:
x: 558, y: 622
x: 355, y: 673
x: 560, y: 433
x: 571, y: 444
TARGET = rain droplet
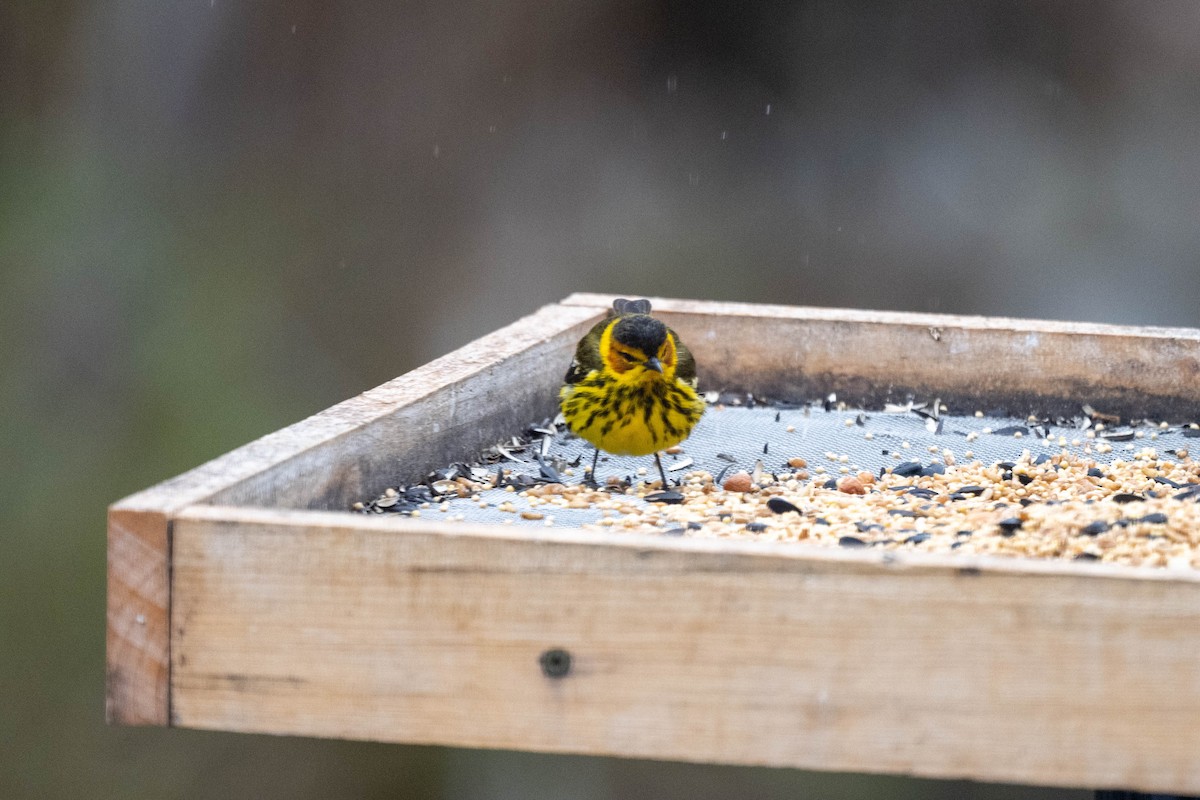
x: 768, y: 109
x: 672, y: 83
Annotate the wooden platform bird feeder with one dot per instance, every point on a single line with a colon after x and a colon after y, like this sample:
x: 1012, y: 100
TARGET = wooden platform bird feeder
x: 244, y: 597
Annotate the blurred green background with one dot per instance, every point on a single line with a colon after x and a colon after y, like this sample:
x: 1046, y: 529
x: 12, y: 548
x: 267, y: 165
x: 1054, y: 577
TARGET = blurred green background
x: 219, y: 217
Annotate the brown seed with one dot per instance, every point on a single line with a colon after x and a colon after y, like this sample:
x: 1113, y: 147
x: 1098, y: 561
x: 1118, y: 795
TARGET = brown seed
x: 738, y: 482
x: 673, y: 450
x: 867, y: 478
x: 850, y: 485
x: 797, y: 463
x: 531, y: 515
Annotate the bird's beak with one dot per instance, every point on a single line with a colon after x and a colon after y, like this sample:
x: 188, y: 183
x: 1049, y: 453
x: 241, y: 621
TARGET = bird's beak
x: 654, y: 364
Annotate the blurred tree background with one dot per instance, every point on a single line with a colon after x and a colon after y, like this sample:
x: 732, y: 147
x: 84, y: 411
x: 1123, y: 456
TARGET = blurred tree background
x: 218, y: 217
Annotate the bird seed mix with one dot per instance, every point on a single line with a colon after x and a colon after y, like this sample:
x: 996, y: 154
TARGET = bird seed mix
x: 909, y: 477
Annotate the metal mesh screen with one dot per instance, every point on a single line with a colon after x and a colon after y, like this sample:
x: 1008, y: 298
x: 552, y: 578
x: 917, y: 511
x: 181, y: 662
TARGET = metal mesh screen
x: 732, y: 437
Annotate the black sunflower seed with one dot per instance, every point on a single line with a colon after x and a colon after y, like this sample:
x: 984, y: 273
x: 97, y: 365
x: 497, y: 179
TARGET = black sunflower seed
x: 447, y: 474
x: 1010, y: 430
x: 418, y: 494
x: 781, y: 506
x: 1009, y: 526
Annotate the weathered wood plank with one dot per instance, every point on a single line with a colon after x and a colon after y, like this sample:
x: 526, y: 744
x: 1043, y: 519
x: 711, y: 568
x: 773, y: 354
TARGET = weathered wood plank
x: 413, y: 631
x: 446, y: 410
x: 872, y: 357
x: 138, y: 616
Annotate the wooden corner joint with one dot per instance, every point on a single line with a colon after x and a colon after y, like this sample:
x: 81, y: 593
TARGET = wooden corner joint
x: 138, y: 640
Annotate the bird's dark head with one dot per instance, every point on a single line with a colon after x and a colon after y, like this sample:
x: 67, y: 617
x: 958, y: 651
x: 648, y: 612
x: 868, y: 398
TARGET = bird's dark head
x: 640, y: 343
x: 641, y: 332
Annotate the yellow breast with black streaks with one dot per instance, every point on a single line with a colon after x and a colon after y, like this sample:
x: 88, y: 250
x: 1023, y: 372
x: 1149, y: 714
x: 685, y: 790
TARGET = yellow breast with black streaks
x: 630, y: 416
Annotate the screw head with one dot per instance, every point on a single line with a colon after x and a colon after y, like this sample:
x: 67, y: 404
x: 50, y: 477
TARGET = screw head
x: 555, y: 663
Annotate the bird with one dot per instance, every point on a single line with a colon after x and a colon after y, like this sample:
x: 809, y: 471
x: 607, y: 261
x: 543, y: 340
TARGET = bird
x: 631, y: 387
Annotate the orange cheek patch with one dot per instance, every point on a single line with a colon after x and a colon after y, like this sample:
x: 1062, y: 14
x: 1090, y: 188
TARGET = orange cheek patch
x: 608, y: 350
x: 615, y: 361
x: 667, y: 353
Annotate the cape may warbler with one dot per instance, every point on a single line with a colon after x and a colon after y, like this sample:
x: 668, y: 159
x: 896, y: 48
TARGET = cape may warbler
x: 631, y: 389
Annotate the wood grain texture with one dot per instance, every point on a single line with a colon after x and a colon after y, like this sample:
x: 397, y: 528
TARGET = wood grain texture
x: 413, y: 631
x: 872, y: 357
x: 138, y: 617
x: 448, y: 409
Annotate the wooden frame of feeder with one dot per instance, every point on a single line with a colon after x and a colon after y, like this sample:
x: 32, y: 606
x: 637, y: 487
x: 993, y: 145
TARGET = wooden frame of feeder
x: 241, y: 599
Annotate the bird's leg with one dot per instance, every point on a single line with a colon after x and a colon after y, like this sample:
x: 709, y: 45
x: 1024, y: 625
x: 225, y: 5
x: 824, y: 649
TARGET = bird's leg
x: 591, y: 478
x: 661, y: 473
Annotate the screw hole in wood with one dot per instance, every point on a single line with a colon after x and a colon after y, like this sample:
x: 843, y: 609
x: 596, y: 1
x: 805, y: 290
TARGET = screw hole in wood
x: 555, y: 662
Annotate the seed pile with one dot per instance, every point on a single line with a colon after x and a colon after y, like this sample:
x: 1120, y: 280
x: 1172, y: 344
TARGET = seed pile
x: 909, y: 478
